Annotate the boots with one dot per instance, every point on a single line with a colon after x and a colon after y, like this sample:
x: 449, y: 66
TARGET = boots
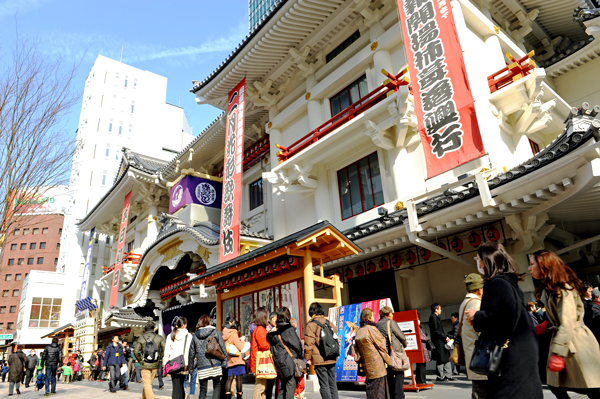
x: 227, y: 395
x: 239, y: 395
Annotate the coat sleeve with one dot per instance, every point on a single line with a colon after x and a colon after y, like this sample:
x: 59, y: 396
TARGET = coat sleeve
x: 435, y: 327
x: 192, y: 355
x: 161, y: 350
x: 261, y: 339
x: 187, y: 344
x: 295, y: 345
x: 223, y: 348
x: 310, y: 340
x: 567, y: 314
x: 238, y: 342
x: 137, y: 349
x: 103, y: 360
x: 501, y: 315
x: 167, y: 348
x: 380, y: 345
x: 398, y: 333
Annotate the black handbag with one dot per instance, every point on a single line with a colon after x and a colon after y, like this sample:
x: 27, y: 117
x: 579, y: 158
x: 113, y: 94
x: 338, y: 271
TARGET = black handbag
x: 429, y: 345
x: 487, y: 355
x: 177, y: 364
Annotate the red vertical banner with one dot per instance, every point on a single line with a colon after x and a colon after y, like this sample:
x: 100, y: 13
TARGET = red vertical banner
x: 114, y: 290
x: 232, y: 175
x: 443, y: 100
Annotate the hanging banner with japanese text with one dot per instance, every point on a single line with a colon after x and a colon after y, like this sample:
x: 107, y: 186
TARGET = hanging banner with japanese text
x: 86, y: 268
x: 232, y: 175
x: 443, y: 100
x: 114, y: 291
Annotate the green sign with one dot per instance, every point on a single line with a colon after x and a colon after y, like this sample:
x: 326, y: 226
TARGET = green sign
x: 6, y: 336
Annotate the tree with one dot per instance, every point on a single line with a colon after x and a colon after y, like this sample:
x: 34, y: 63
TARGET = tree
x: 36, y: 150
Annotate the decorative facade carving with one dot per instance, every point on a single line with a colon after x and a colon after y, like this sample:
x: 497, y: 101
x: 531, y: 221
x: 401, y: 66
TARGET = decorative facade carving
x: 307, y: 63
x: 529, y: 232
x: 265, y: 94
x: 402, y: 116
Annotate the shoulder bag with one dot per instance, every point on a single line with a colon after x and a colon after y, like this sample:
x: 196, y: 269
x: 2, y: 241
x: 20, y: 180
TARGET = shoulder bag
x: 177, y: 364
x: 400, y: 361
x: 458, y: 353
x: 487, y: 355
x: 299, y: 364
x: 232, y: 350
x: 213, y: 349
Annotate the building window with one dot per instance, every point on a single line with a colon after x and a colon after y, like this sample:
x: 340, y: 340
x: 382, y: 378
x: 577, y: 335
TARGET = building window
x: 132, y: 106
x: 36, y: 231
x: 45, y: 230
x: 134, y: 82
x: 18, y: 277
x: 5, y: 293
x: 1, y: 326
x: 56, y: 261
x: 60, y: 231
x: 25, y: 232
x: 40, y: 261
x: 343, y: 46
x: 11, y: 261
x: 8, y: 277
x: 360, y: 186
x: 535, y: 148
x: 125, y: 85
x: 10, y: 326
x: 15, y: 293
x: 103, y: 177
x: 120, y: 128
x: 110, y: 126
x: 349, y: 95
x: 58, y: 245
x: 2, y: 309
x: 107, y: 150
x: 42, y: 245
x: 93, y: 270
x: 20, y: 261
x: 23, y: 246
x: 17, y: 232
x: 32, y: 245
x: 256, y: 194
x: 13, y: 247
x: 45, y: 312
x: 30, y: 261
x: 130, y: 128
x: 13, y: 309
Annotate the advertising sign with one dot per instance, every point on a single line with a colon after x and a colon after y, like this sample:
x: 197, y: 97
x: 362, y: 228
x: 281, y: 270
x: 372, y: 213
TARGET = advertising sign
x: 120, y: 247
x: 86, y: 268
x: 41, y: 201
x: 443, y: 101
x: 347, y: 319
x: 6, y: 336
x: 232, y: 175
x: 195, y: 190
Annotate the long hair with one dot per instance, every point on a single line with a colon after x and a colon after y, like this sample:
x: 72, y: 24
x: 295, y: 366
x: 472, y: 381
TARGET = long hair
x: 261, y: 317
x: 556, y: 275
x: 497, y: 261
x: 177, y: 323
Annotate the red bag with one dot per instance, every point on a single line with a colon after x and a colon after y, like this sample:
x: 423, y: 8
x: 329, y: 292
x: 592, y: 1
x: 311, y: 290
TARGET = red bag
x: 97, y: 363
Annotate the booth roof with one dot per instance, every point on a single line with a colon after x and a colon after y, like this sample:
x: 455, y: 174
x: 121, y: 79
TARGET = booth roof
x: 58, y: 330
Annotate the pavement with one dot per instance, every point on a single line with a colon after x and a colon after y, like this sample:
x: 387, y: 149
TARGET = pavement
x: 461, y: 388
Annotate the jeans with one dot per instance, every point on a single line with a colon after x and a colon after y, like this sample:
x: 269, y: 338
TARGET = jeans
x: 124, y: 380
x: 203, y: 386
x: 327, y: 384
x: 50, y: 378
x: 192, y: 382
x: 138, y: 375
x: 160, y: 376
x: 395, y: 383
x: 288, y: 386
x: 444, y: 370
x: 115, y: 376
x: 11, y: 387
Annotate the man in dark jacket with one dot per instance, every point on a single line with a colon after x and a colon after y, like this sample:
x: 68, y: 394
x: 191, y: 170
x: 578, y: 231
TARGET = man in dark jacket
x: 52, y: 358
x: 284, y: 363
x: 31, y: 362
x: 149, y: 367
x: 453, y: 334
x: 591, y: 317
x: 114, y: 359
x: 440, y: 354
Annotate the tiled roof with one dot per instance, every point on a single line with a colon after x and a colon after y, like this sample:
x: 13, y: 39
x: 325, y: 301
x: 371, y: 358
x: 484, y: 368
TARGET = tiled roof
x: 128, y: 314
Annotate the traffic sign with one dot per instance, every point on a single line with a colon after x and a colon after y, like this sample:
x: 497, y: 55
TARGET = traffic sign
x: 6, y: 336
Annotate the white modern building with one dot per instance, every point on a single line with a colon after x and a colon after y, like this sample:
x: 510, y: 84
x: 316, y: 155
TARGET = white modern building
x: 122, y: 107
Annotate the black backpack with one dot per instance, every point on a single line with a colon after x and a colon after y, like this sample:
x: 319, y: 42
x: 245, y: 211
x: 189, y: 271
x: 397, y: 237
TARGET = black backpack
x: 329, y: 347
x: 150, y: 351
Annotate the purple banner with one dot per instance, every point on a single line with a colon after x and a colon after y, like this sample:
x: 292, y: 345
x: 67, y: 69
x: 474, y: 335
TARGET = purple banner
x: 195, y: 190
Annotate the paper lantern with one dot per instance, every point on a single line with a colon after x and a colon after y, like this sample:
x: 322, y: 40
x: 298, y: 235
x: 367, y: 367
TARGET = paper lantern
x: 294, y: 262
x: 410, y: 257
x: 396, y: 260
x: 492, y: 234
x: 383, y: 264
x: 360, y: 271
x: 474, y: 240
x: 424, y: 253
x: 371, y: 267
x: 348, y: 273
x: 457, y: 244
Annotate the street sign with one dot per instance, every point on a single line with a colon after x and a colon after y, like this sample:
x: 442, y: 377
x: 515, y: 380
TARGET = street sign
x: 6, y: 336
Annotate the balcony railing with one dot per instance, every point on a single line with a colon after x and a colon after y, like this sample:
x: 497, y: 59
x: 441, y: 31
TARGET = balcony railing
x: 514, y: 71
x: 129, y: 257
x: 373, y: 98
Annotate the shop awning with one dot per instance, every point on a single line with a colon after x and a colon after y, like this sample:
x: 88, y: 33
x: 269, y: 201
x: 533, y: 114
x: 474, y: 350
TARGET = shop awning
x: 61, y: 332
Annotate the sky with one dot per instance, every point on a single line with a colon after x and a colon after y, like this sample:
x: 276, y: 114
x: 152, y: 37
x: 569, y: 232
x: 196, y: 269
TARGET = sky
x: 180, y: 40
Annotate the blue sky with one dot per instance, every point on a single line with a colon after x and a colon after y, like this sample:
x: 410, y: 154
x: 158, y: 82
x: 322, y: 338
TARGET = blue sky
x: 181, y: 40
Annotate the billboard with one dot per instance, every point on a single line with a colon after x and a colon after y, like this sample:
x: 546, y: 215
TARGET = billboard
x: 41, y: 201
x: 195, y: 190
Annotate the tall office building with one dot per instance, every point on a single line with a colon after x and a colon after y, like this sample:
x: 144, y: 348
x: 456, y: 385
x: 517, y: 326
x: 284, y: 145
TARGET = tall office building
x: 258, y: 9
x: 122, y: 107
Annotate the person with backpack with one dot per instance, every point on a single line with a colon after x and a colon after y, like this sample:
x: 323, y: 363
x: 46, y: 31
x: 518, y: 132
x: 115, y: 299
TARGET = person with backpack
x: 205, y: 359
x: 177, y: 345
x: 321, y: 349
x: 149, y: 350
x: 285, y: 348
x: 52, y: 360
x: 4, y: 371
x: 236, y: 367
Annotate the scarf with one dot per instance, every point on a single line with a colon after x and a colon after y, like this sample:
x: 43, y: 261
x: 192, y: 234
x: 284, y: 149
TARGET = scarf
x: 368, y: 323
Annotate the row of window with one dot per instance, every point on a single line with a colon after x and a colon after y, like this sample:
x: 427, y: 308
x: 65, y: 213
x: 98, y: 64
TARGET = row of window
x: 30, y: 261
x: 9, y: 326
x: 8, y: 277
x: 120, y: 129
x: 34, y: 231
x: 5, y: 294
x: 33, y: 245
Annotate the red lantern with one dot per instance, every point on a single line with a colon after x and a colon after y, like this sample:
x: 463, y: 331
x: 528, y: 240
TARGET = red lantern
x: 396, y: 260
x: 247, y: 277
x: 240, y: 279
x: 235, y: 281
x: 318, y: 285
x: 383, y: 264
x: 424, y: 253
x: 371, y: 267
x: 410, y: 257
x: 294, y: 263
x: 276, y: 267
x: 348, y: 273
x: 492, y: 234
x: 261, y: 272
x: 442, y: 245
x: 254, y: 275
x: 268, y: 270
x: 360, y: 271
x: 474, y: 240
x: 284, y: 264
x: 457, y: 244
x: 228, y: 283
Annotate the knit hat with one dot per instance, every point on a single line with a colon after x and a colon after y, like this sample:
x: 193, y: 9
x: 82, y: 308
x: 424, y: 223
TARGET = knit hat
x: 474, y: 281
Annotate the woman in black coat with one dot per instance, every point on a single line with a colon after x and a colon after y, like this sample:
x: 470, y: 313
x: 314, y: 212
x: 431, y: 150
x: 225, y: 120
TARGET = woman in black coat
x: 284, y: 363
x: 503, y: 315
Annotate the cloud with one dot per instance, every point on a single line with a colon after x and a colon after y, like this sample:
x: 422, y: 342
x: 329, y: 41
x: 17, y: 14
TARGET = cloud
x: 88, y: 46
x: 16, y: 7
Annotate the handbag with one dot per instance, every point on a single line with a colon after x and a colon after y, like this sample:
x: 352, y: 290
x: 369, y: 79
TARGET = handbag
x: 213, y: 349
x: 400, y: 361
x: 264, y: 365
x: 458, y: 353
x: 487, y: 355
x: 429, y: 345
x: 177, y: 364
x: 299, y: 364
